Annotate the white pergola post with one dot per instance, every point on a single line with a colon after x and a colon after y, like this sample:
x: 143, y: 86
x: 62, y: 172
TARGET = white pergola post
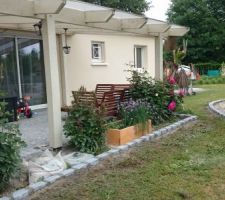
x: 52, y: 81
x: 159, y: 57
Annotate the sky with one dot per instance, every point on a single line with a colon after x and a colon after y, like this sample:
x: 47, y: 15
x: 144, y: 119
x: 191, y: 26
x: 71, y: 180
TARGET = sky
x: 158, y: 9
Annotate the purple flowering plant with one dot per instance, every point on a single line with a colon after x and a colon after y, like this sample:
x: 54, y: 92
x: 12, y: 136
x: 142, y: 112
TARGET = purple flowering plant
x: 134, y: 112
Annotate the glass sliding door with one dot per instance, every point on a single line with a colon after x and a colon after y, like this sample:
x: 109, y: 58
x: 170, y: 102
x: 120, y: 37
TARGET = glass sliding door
x: 8, y: 68
x: 22, y: 69
x: 32, y: 75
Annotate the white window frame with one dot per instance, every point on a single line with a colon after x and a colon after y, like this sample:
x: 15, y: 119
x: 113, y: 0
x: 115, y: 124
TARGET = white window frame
x: 143, y: 57
x: 101, y: 51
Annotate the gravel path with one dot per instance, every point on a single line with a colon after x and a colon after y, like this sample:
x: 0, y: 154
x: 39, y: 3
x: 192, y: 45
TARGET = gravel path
x: 35, y: 133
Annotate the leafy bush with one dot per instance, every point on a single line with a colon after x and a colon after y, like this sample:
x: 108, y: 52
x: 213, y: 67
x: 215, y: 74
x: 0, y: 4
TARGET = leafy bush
x: 85, y: 126
x: 10, y: 146
x: 156, y: 93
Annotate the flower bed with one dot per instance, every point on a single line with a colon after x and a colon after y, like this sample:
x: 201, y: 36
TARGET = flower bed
x: 117, y: 137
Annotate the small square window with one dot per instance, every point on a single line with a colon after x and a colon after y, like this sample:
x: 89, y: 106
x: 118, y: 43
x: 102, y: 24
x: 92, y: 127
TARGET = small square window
x: 98, y: 51
x: 139, y: 57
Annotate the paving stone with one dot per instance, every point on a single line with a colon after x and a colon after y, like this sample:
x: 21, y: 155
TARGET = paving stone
x: 79, y: 166
x: 52, y: 179
x: 67, y: 172
x: 123, y: 147
x: 151, y: 137
x: 132, y: 144
x: 173, y: 126
x: 38, y: 186
x: 155, y: 134
x: 182, y: 122
x: 138, y: 141
x: 169, y: 129
x: 114, y: 151
x: 92, y: 161
x: 21, y: 194
x: 195, y: 117
x: 159, y: 133
x: 145, y: 138
x: 103, y: 155
x: 186, y: 120
x: 163, y: 131
x: 5, y: 198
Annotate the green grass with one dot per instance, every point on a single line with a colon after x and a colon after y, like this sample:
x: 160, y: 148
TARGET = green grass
x: 186, y: 165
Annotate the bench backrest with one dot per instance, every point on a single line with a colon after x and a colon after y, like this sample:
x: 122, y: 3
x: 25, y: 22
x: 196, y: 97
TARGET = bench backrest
x: 101, y: 89
x: 125, y: 95
x: 111, y: 101
x: 84, y: 97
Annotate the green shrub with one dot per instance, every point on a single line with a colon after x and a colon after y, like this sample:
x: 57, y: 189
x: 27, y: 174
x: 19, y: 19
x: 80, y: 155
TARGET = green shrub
x: 157, y: 93
x: 10, y: 146
x: 219, y: 81
x: 199, y: 82
x: 213, y: 81
x: 85, y: 126
x: 206, y: 82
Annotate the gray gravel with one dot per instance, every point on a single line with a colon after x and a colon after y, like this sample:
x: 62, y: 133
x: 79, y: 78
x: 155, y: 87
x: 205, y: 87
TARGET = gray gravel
x: 35, y: 133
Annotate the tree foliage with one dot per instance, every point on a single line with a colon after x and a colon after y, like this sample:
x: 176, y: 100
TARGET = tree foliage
x: 206, y: 19
x: 10, y: 147
x: 134, y: 6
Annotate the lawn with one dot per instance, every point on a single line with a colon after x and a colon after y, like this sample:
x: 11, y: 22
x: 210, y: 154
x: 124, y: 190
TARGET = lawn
x: 186, y: 165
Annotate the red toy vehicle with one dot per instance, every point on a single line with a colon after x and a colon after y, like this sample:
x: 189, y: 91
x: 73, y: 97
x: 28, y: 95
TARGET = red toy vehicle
x: 23, y: 107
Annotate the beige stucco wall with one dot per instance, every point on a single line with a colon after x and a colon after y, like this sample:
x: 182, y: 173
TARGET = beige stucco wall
x: 119, y: 51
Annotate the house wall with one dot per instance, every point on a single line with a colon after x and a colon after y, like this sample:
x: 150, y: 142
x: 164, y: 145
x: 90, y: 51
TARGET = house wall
x: 119, y: 51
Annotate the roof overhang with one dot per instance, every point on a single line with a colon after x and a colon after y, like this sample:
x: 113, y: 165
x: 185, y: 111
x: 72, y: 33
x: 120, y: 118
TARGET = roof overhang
x: 81, y: 17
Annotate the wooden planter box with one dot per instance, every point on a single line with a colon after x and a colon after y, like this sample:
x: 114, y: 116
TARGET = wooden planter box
x: 118, y: 137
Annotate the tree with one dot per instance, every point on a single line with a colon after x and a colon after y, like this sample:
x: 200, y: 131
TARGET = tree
x: 217, y: 8
x: 133, y: 6
x: 206, y: 38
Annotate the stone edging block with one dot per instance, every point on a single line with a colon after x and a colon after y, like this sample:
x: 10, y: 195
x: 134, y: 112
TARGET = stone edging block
x: 25, y: 192
x: 212, y: 107
x: 21, y: 194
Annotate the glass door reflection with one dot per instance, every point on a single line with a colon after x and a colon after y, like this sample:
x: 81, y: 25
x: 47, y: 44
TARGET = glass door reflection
x: 32, y: 73
x: 8, y: 68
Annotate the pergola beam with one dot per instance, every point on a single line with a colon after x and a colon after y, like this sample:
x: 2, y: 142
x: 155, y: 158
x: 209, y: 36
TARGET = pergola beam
x: 33, y: 8
x: 22, y: 8
x: 48, y: 7
x: 101, y: 16
x: 135, y: 23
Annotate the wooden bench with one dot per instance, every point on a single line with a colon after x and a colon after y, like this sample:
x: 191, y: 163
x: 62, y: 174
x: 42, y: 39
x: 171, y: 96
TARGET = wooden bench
x: 107, y: 95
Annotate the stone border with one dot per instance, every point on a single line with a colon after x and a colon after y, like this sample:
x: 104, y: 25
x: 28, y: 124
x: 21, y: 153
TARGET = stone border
x: 25, y: 192
x: 217, y: 111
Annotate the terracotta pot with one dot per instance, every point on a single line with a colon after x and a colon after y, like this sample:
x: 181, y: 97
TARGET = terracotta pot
x: 122, y: 136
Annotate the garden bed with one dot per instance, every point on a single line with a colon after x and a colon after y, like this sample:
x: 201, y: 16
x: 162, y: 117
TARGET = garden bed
x: 118, y: 137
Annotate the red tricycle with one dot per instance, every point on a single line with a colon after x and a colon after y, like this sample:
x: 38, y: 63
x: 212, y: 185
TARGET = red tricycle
x: 23, y: 107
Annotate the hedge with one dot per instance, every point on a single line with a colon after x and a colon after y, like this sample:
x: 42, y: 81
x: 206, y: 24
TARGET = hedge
x: 203, y: 68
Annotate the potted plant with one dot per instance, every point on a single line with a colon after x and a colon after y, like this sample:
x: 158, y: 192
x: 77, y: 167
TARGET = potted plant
x: 134, y: 123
